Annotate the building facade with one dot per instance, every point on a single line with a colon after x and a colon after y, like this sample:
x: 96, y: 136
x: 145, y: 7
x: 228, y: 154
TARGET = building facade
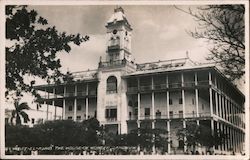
x: 124, y: 95
x: 35, y: 116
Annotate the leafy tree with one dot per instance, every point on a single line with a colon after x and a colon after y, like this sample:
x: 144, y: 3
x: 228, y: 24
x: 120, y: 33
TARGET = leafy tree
x: 223, y: 26
x: 91, y: 128
x: 194, y: 135
x: 19, y: 112
x: 32, y: 48
x: 57, y: 133
x: 148, y: 137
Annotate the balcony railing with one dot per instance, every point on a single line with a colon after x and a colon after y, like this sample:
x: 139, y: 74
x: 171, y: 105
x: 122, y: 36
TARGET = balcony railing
x: 92, y: 92
x: 51, y: 96
x: 132, y: 89
x: 70, y: 94
x: 113, y: 47
x: 145, y: 88
x: 171, y: 116
x: 203, y: 83
x: 81, y: 93
x: 112, y: 63
x: 160, y: 86
x: 164, y: 86
x: 189, y: 84
x: 174, y: 85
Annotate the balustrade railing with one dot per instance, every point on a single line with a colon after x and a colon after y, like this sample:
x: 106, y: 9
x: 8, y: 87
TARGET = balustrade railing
x: 92, y: 92
x: 189, y: 84
x: 112, y: 63
x: 174, y: 85
x: 81, y: 93
x: 145, y: 88
x: 171, y: 116
x: 132, y: 89
x: 52, y: 96
x: 165, y: 86
x: 203, y: 83
x: 70, y: 94
x: 160, y: 86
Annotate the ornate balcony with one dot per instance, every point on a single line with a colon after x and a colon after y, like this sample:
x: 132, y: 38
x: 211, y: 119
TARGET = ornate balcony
x: 110, y: 64
x: 114, y: 47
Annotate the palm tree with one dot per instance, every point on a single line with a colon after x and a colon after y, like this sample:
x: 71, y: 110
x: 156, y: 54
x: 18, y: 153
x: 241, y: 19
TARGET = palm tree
x: 19, y: 113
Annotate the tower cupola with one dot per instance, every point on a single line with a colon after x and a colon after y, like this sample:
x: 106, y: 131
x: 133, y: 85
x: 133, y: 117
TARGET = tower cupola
x: 118, y: 36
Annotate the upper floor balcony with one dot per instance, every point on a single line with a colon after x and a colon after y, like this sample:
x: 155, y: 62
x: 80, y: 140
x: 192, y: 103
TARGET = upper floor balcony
x: 91, y: 93
x: 117, y: 63
x: 114, y: 47
x: 144, y: 88
x: 171, y: 116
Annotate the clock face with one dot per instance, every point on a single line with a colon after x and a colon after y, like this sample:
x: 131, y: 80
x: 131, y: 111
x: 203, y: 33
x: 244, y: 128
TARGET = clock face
x: 114, y: 31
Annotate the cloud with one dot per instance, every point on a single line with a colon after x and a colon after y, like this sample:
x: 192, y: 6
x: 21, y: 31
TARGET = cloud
x: 149, y: 23
x: 170, y: 32
x: 86, y: 56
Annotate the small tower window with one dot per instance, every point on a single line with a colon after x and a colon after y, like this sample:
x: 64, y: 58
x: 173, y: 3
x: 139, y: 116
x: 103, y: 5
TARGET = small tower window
x: 79, y: 107
x: 114, y: 31
x: 180, y: 101
x: 70, y: 108
x: 112, y: 84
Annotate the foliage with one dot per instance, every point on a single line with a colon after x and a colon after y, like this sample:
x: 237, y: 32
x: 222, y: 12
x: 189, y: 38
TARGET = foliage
x: 146, y: 138
x: 68, y: 77
x: 86, y: 133
x: 57, y: 133
x: 223, y: 26
x: 201, y: 134
x: 32, y: 49
x: 19, y: 113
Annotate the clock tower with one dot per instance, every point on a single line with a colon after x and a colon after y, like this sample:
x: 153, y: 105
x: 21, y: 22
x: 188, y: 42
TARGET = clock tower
x: 118, y: 37
x: 111, y: 91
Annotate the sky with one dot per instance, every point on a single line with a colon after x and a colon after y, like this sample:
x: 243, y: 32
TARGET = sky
x: 159, y: 33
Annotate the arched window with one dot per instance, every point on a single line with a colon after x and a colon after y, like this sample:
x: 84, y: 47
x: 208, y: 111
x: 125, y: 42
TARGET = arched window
x: 112, y: 84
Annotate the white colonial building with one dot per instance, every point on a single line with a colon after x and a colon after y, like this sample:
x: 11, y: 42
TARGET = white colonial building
x: 124, y: 95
